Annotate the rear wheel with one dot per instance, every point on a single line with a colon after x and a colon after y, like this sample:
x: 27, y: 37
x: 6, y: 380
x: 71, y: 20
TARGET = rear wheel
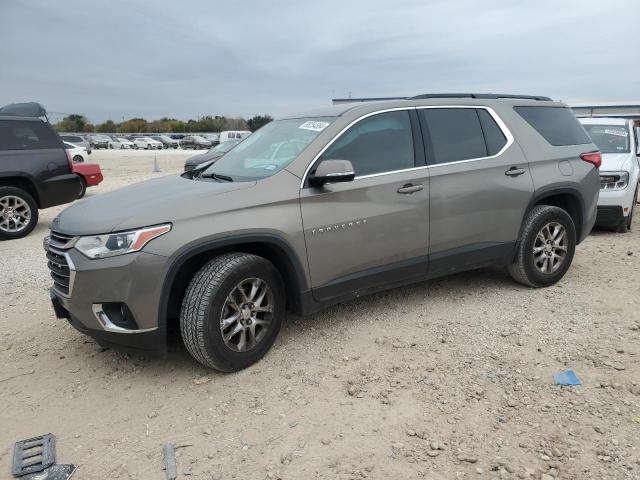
x: 546, y: 247
x: 83, y: 187
x: 78, y: 159
x: 232, y: 311
x: 18, y: 213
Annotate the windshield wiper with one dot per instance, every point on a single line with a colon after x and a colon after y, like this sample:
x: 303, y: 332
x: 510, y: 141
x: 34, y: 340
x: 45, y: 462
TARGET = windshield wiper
x: 216, y: 176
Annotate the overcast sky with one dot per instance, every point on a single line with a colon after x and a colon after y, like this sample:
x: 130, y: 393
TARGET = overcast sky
x: 115, y: 59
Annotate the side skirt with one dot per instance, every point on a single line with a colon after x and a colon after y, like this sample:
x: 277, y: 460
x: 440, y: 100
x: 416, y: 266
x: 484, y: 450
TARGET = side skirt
x: 404, y: 273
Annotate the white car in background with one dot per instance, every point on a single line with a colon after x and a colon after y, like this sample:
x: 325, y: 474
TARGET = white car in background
x: 147, y: 143
x: 117, y: 143
x: 233, y: 135
x: 620, y: 170
x: 77, y: 153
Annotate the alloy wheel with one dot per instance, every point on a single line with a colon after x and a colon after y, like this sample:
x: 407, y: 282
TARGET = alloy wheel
x: 246, y: 314
x: 15, y: 214
x: 550, y: 247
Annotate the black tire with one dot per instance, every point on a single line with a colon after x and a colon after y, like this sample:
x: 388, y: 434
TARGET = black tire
x: 6, y: 192
x: 78, y: 159
x: 204, y: 302
x: 633, y: 206
x: 83, y: 188
x: 111, y: 146
x: 524, y: 269
x: 148, y: 147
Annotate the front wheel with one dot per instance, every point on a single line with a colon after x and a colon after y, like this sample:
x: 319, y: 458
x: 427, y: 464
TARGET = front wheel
x: 232, y: 311
x: 18, y: 213
x: 546, y: 247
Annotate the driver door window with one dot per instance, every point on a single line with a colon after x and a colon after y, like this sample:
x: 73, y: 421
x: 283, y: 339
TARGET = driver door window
x: 380, y: 143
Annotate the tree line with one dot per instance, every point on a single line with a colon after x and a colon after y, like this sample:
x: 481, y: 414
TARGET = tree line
x: 208, y: 123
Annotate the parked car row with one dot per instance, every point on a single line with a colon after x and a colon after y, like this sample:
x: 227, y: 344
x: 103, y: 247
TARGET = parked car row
x: 153, y: 141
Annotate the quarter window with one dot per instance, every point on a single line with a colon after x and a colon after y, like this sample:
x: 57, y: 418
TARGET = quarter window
x: 379, y: 143
x: 21, y: 135
x: 492, y: 133
x: 558, y: 125
x: 455, y: 134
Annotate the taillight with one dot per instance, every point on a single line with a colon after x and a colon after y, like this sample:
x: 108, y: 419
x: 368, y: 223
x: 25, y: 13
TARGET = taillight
x: 69, y: 159
x: 592, y: 157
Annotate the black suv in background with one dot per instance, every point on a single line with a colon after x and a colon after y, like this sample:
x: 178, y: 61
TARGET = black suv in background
x: 35, y: 171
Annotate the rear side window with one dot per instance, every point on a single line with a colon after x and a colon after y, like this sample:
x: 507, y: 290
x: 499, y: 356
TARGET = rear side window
x: 558, y: 125
x: 492, y: 133
x: 21, y: 135
x: 380, y: 143
x: 455, y: 134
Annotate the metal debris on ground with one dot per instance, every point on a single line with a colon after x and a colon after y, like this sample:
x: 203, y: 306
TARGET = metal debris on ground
x: 54, y: 472
x: 33, y: 454
x: 171, y: 470
x: 566, y: 378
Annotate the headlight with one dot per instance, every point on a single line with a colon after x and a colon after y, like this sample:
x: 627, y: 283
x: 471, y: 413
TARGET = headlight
x: 614, y: 180
x: 113, y: 244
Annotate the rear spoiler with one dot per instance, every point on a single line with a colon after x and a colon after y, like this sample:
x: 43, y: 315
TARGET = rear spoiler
x: 27, y: 109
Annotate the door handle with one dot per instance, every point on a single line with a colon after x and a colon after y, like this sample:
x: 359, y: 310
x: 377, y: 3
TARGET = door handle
x: 410, y: 188
x: 514, y: 172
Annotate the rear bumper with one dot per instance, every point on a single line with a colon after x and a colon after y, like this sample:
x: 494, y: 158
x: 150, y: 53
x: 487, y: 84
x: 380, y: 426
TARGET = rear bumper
x: 90, y: 172
x: 59, y: 190
x: 609, y: 216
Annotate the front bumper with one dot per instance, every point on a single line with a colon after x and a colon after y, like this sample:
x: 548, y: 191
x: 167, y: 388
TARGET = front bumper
x: 153, y: 342
x: 133, y: 280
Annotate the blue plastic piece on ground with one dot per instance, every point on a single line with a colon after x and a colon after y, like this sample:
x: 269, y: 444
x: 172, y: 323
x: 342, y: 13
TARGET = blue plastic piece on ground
x: 568, y: 377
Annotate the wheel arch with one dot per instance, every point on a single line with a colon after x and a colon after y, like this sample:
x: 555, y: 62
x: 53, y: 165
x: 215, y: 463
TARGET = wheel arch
x: 186, y: 263
x: 23, y: 182
x: 566, y: 197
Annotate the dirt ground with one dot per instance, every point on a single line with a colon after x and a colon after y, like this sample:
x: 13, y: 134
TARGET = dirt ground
x: 446, y: 379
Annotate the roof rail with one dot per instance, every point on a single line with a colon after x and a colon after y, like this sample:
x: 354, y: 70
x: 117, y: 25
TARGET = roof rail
x: 478, y: 95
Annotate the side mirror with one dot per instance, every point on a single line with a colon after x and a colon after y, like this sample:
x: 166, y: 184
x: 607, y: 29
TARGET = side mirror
x: 332, y: 171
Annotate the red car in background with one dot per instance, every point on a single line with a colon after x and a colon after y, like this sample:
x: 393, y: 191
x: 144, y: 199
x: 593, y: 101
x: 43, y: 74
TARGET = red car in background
x: 89, y: 173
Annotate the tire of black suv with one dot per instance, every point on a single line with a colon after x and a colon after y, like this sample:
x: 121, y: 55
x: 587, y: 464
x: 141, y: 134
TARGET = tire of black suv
x: 235, y: 292
x: 12, y: 199
x: 546, y: 247
x: 83, y: 188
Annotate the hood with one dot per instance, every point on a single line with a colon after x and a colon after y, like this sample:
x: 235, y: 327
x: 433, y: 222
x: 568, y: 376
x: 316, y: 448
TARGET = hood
x: 152, y: 202
x: 615, y: 162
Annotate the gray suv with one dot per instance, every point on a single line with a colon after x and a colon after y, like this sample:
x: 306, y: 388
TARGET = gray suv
x: 317, y: 209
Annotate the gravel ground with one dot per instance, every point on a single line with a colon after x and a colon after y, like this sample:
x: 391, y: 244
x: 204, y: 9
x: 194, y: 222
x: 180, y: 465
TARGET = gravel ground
x: 445, y: 379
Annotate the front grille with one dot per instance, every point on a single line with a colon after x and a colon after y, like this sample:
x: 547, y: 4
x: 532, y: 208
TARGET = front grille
x: 57, y: 261
x: 60, y: 241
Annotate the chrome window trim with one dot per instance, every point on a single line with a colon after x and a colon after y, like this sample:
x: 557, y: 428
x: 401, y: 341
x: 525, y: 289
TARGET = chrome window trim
x: 503, y: 127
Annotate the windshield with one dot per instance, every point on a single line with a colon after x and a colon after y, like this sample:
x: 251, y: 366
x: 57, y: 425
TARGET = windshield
x: 270, y: 149
x: 609, y: 138
x: 224, y: 146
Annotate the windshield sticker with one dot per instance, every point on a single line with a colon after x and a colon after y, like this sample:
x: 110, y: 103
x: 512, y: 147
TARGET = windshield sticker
x: 314, y: 126
x: 617, y: 132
